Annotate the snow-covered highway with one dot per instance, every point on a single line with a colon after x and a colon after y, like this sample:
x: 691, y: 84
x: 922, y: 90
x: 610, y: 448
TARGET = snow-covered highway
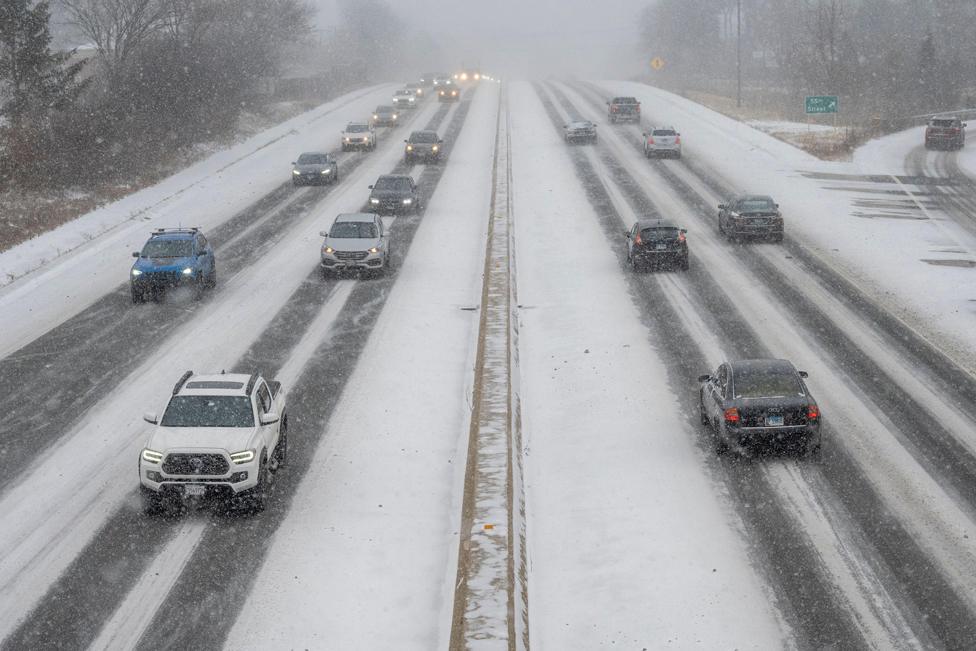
x: 634, y: 533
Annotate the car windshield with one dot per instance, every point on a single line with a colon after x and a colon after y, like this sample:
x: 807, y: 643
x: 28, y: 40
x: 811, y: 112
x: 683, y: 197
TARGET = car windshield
x: 162, y: 248
x: 208, y: 411
x: 664, y: 132
x: 357, y: 128
x: 384, y: 109
x: 756, y: 205
x: 358, y: 230
x: 313, y: 159
x: 660, y: 233
x: 391, y: 183
x: 423, y: 137
x: 624, y: 100
x: 405, y: 93
x: 943, y: 123
x: 766, y: 383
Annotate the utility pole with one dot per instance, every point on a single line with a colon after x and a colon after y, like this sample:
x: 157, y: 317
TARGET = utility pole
x: 738, y: 53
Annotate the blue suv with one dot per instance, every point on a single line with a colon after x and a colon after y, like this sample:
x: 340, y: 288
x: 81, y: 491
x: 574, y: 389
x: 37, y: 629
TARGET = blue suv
x: 173, y: 257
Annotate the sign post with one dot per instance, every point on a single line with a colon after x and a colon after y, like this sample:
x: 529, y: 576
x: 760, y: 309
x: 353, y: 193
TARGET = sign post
x: 816, y: 104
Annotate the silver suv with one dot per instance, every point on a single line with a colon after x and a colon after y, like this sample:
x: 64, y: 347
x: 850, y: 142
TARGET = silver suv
x: 662, y: 141
x: 355, y: 241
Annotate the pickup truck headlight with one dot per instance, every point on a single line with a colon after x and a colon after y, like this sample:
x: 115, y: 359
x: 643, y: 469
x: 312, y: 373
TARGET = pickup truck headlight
x: 409, y: 147
x: 407, y: 202
x: 295, y: 172
x: 327, y: 170
x: 244, y: 456
x: 136, y: 272
x: 188, y: 271
x: 434, y: 148
x: 374, y: 200
x: 347, y: 138
x: 151, y: 456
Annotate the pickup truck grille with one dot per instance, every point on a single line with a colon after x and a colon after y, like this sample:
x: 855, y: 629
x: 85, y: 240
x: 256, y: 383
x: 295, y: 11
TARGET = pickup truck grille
x: 195, y: 464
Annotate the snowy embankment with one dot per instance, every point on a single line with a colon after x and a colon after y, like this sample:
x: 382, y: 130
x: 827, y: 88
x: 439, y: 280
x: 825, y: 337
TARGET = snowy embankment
x: 628, y: 543
x: 382, y: 505
x: 46, y: 280
x: 887, y: 251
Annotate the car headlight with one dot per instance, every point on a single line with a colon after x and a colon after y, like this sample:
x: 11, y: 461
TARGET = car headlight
x: 376, y: 117
x: 434, y: 148
x: 244, y: 456
x: 136, y: 272
x: 375, y: 249
x: 407, y: 202
x: 295, y: 172
x: 347, y: 138
x: 188, y: 271
x: 328, y: 249
x: 409, y: 147
x: 374, y: 200
x: 394, y: 116
x: 327, y: 170
x: 151, y: 456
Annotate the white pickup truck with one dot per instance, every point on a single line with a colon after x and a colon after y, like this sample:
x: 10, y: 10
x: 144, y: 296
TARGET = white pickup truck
x: 220, y: 437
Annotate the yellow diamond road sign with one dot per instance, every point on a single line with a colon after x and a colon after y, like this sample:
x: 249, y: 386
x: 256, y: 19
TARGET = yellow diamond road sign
x: 657, y: 63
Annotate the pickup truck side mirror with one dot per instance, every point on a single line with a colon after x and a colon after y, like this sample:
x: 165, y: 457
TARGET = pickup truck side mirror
x: 776, y: 205
x: 269, y: 418
x: 803, y: 374
x: 704, y: 378
x: 150, y: 417
x: 405, y: 140
x: 135, y: 254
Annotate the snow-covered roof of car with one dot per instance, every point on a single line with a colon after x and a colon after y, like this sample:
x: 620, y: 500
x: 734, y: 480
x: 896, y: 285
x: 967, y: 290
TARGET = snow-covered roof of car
x: 356, y: 217
x: 579, y: 124
x: 357, y: 124
x: 233, y: 384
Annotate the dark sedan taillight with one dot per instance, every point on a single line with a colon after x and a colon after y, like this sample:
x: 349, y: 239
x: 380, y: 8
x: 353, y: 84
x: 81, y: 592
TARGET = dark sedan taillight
x: 732, y: 415
x: 813, y: 413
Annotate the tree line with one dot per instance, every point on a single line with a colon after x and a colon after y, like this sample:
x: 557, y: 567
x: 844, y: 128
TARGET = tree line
x: 887, y: 60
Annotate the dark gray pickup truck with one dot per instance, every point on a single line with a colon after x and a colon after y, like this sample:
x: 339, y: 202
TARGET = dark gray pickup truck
x: 623, y: 109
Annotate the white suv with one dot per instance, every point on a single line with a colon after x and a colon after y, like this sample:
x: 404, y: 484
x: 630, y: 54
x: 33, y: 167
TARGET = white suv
x: 356, y: 241
x: 662, y: 141
x: 359, y: 135
x: 221, y: 436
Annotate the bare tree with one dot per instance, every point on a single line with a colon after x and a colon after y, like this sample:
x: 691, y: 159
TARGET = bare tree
x: 117, y: 28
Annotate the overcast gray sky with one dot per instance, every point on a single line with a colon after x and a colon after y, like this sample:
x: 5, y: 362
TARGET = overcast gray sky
x: 527, y: 37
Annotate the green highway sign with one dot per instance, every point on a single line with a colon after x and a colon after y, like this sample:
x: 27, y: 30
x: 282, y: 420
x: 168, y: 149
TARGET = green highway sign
x: 821, y: 104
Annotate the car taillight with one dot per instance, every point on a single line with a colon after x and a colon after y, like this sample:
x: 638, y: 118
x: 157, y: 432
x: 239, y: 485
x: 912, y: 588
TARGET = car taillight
x: 638, y: 240
x: 681, y: 237
x: 613, y: 109
x: 813, y: 412
x: 732, y: 415
x: 677, y: 140
x: 650, y: 141
x: 955, y: 129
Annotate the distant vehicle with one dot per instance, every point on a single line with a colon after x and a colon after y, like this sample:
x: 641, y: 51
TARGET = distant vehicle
x: 579, y: 131
x: 442, y: 79
x: 427, y: 79
x: 945, y: 132
x: 355, y: 241
x: 418, y: 89
x: 315, y: 168
x: 405, y: 98
x: 448, y: 93
x: 755, y: 403
x: 656, y: 242
x: 385, y: 116
x: 395, y: 193
x: 750, y: 215
x: 467, y: 74
x: 662, y: 141
x: 623, y: 109
x: 172, y: 257
x: 221, y: 437
x: 425, y: 145
x: 358, y: 135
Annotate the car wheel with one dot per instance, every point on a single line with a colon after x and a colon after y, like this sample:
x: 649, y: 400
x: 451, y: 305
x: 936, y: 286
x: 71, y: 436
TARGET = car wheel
x: 778, y: 238
x: 813, y: 451
x: 258, y: 499
x: 335, y: 176
x: 198, y: 287
x: 701, y: 412
x: 212, y: 281
x: 685, y: 263
x: 152, y: 502
x: 137, y: 296
x: 296, y: 182
x: 721, y: 225
x: 281, y: 450
x: 721, y: 445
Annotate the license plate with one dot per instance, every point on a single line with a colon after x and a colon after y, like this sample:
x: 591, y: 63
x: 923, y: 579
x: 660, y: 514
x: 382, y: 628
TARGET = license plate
x: 192, y: 490
x: 774, y: 420
x: 661, y: 247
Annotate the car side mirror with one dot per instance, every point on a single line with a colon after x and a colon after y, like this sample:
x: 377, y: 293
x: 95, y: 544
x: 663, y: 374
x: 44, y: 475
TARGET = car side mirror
x: 722, y: 206
x: 440, y: 141
x: 626, y: 233
x: 963, y: 124
x: 644, y: 133
x: 704, y: 378
x: 293, y: 163
x: 135, y: 254
x: 323, y: 233
x: 405, y: 140
x: 370, y: 187
x: 683, y: 230
x: 804, y: 374
x: 150, y: 417
x: 269, y: 418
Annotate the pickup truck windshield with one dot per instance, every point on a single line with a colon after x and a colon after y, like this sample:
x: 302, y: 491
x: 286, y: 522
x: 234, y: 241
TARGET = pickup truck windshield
x: 208, y: 411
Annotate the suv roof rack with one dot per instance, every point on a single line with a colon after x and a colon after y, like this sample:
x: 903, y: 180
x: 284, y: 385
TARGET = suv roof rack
x: 189, y: 229
x: 179, y: 385
x: 250, y: 383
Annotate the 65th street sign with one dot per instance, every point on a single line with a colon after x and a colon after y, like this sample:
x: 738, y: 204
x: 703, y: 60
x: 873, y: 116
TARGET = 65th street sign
x: 821, y: 104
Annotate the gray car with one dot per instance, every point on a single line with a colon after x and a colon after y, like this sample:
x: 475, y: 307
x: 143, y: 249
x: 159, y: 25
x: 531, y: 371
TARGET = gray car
x: 579, y: 131
x: 356, y: 241
x: 395, y: 194
x: 385, y: 116
x: 425, y: 145
x: 662, y: 141
x: 315, y: 168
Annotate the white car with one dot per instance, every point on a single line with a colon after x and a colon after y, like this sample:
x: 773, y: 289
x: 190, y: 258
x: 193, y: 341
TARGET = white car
x: 359, y: 135
x: 405, y: 98
x: 355, y: 241
x: 220, y: 437
x: 662, y: 141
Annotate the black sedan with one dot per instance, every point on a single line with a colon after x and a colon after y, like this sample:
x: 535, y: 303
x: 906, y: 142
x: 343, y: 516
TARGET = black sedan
x: 755, y: 403
x: 394, y: 194
x: 656, y: 242
x: 750, y: 215
x: 579, y: 131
